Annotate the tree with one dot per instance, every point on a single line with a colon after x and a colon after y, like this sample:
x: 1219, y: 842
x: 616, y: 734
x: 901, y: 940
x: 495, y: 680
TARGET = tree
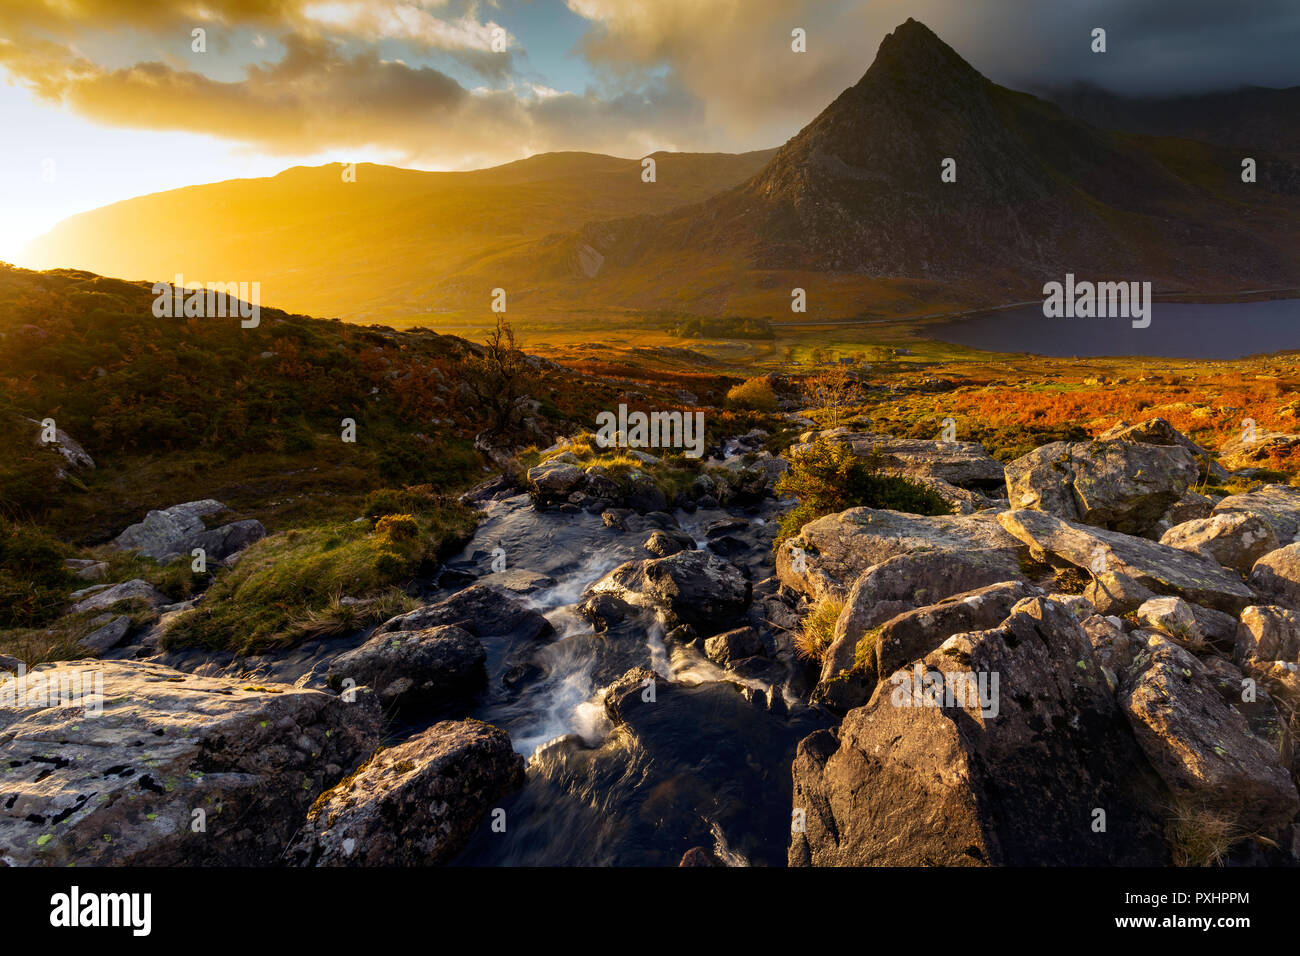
x: 498, y: 376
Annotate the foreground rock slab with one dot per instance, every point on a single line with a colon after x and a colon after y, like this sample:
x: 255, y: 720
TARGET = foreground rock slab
x: 130, y: 763
x: 414, y: 672
x: 911, y: 783
x: 1155, y: 567
x: 416, y: 804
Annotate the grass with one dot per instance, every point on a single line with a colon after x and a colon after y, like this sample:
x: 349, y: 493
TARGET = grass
x: 1199, y: 836
x: 817, y: 629
x: 289, y: 586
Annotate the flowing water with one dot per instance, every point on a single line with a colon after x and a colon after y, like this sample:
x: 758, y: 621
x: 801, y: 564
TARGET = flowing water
x: 707, y: 764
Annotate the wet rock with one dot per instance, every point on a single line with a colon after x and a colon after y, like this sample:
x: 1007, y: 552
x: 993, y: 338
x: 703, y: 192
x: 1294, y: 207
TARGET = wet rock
x: 1119, y: 485
x: 663, y: 543
x: 699, y: 856
x: 606, y: 610
x: 1153, y: 566
x: 1279, y: 505
x: 733, y: 646
x: 1277, y: 576
x: 555, y: 480
x: 123, y: 787
x: 416, y: 804
x: 829, y: 553
x: 643, y: 493
x: 907, y: 783
x: 518, y: 581
x: 482, y: 609
x: 137, y: 589
x: 1235, y: 539
x: 690, y: 587
x: 414, y: 673
x: 1202, y: 748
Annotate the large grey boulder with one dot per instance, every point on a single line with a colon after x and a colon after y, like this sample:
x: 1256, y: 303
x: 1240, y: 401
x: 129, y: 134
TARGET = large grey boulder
x: 555, y: 480
x: 1121, y: 485
x: 115, y: 763
x: 1156, y: 568
x: 829, y: 553
x: 1203, y: 748
x: 416, y: 804
x: 178, y: 530
x: 1279, y: 505
x: 414, y: 673
x: 1235, y: 539
x: 917, y: 780
x: 1158, y: 431
x: 690, y: 587
x: 1277, y: 576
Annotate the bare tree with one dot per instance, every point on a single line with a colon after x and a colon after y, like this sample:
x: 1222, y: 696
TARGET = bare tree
x: 498, y: 376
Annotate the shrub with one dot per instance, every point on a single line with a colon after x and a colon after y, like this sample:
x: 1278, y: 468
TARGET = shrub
x: 398, y: 527
x: 755, y: 394
x: 827, y: 478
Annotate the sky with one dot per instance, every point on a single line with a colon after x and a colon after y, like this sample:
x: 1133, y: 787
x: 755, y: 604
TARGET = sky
x: 102, y: 100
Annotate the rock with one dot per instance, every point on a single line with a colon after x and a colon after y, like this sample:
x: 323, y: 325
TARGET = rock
x: 121, y: 787
x: 164, y: 534
x: 909, y: 784
x: 1279, y: 505
x: 223, y: 542
x: 414, y: 673
x: 1259, y: 451
x: 518, y: 581
x: 1235, y: 539
x: 1173, y: 616
x: 555, y: 480
x: 663, y: 543
x: 482, y: 609
x: 699, y: 856
x: 963, y: 501
x: 1119, y: 485
x: 643, y: 493
x: 416, y: 804
x: 135, y: 589
x: 1202, y: 748
x: 86, y: 570
x: 11, y: 665
x: 829, y: 553
x: 1112, y: 593
x: 690, y: 587
x: 732, y: 646
x: 858, y: 657
x: 1188, y: 508
x: 1277, y: 576
x: 108, y: 635
x: 1267, y: 634
x: 605, y: 611
x: 74, y: 456
x: 1156, y: 567
x: 1157, y: 431
x: 962, y: 463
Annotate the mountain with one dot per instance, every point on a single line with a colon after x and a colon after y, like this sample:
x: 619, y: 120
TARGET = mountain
x: 858, y: 194
x: 852, y: 208
x: 374, y: 249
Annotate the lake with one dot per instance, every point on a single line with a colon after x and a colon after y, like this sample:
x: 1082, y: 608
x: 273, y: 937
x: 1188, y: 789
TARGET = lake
x: 1226, y: 330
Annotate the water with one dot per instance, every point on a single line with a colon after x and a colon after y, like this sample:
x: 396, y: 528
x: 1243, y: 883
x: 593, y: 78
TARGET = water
x: 1228, y: 330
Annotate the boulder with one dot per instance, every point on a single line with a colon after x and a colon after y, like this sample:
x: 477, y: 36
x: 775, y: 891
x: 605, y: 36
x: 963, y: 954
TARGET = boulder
x: 1174, y: 616
x: 1189, y: 507
x: 74, y: 456
x: 1203, y: 748
x: 829, y: 553
x: 733, y: 646
x: 482, y: 609
x: 962, y: 463
x: 1158, y: 568
x: 416, y: 804
x: 1277, y: 576
x: 1235, y: 539
x: 1010, y: 777
x: 1157, y: 431
x: 663, y: 543
x: 1279, y: 505
x: 110, y: 763
x: 1267, y: 633
x: 1259, y: 450
x: 690, y: 587
x: 555, y: 480
x: 107, y: 635
x: 414, y: 673
x: 164, y: 534
x: 225, y: 541
x: 137, y: 589
x: 1121, y: 485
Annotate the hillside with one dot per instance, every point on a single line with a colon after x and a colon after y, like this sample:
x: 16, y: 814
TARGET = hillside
x: 391, y: 243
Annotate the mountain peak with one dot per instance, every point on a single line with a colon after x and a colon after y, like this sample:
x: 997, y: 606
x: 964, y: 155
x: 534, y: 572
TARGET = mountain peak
x: 914, y: 49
